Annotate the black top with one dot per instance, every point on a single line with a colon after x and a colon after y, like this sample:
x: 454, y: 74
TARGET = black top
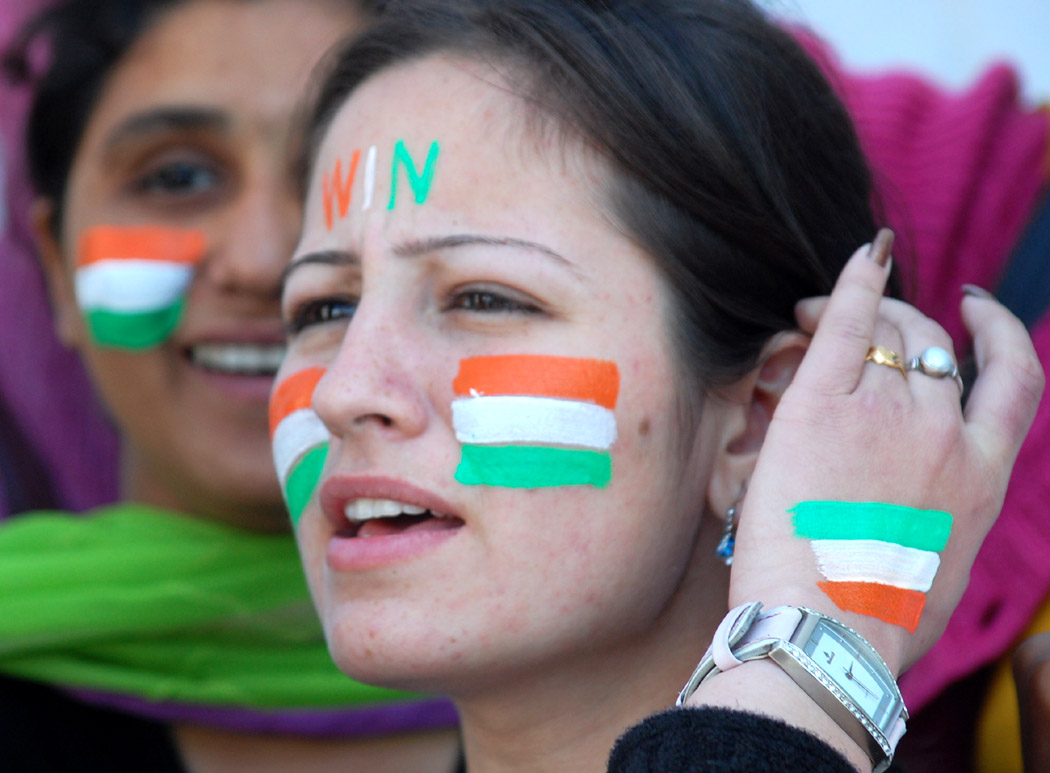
x: 44, y: 729
x: 703, y: 740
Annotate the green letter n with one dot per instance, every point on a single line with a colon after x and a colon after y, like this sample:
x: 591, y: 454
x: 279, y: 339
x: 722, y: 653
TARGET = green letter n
x: 420, y: 182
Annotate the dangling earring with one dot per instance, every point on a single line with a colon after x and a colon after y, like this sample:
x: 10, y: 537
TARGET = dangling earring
x: 727, y: 544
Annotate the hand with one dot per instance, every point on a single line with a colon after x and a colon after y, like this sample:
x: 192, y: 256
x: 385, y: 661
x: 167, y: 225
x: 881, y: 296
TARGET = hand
x: 853, y: 431
x: 1031, y: 666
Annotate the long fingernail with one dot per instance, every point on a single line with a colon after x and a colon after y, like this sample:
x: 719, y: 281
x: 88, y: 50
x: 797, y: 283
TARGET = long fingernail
x: 977, y: 292
x: 880, y: 248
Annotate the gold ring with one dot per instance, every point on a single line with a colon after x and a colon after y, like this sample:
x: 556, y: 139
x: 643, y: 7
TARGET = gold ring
x: 880, y: 355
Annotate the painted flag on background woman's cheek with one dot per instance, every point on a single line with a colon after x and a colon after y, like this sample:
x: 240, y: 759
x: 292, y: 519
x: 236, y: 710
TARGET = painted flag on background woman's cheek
x: 131, y: 282
x: 534, y: 421
x: 299, y: 438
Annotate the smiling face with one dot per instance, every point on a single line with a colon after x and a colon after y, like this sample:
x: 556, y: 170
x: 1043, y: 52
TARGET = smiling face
x: 406, y: 301
x: 190, y: 140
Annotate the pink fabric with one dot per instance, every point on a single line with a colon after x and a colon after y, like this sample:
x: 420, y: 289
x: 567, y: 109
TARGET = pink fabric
x: 42, y: 383
x: 960, y: 174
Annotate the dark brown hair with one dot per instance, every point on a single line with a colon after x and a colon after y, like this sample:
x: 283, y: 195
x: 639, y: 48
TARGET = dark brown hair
x: 734, y: 164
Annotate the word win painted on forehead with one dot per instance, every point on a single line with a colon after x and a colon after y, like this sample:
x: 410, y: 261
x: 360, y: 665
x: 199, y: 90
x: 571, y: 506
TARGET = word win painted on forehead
x: 337, y: 189
x: 299, y: 439
x: 533, y: 421
x: 131, y: 282
x: 878, y: 560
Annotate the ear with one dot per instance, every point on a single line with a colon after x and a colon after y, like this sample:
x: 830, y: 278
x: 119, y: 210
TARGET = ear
x: 69, y: 323
x: 750, y: 404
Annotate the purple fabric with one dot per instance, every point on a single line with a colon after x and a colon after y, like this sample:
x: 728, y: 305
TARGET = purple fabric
x: 42, y: 384
x: 382, y: 719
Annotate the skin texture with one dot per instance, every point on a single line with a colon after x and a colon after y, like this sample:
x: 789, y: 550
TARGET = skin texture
x: 196, y: 440
x: 193, y: 440
x: 479, y: 610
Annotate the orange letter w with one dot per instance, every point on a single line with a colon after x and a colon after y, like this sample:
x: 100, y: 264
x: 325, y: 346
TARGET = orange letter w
x: 339, y: 188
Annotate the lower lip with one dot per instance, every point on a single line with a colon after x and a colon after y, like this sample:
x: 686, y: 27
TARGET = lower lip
x: 357, y: 554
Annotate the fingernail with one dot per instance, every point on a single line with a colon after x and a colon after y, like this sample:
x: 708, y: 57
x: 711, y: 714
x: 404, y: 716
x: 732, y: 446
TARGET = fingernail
x: 977, y: 292
x: 880, y: 248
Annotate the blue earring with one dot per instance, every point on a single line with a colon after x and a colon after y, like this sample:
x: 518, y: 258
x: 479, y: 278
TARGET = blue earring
x: 728, y: 541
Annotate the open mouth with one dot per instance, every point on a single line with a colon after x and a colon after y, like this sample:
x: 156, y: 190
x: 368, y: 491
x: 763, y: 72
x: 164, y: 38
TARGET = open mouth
x: 368, y: 518
x: 238, y: 359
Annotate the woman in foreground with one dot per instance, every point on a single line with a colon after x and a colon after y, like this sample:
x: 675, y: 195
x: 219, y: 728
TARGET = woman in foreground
x: 545, y: 304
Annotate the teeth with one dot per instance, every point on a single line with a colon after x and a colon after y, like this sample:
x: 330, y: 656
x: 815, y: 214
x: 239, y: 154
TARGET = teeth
x: 239, y: 359
x: 367, y: 509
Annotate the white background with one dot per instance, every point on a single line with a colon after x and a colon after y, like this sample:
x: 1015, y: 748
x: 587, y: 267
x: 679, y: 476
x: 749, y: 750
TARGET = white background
x: 949, y: 40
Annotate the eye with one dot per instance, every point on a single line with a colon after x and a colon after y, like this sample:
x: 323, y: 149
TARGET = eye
x: 319, y: 312
x: 490, y: 301
x: 179, y: 179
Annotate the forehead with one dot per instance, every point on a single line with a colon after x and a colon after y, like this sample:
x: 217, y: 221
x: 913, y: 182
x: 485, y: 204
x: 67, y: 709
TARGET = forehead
x: 497, y: 165
x: 245, y: 58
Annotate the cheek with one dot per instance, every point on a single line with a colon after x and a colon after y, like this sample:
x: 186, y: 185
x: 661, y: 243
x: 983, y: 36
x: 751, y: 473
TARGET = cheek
x: 131, y: 282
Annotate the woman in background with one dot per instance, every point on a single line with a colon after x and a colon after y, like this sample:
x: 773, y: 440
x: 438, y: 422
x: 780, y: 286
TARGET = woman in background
x: 173, y: 630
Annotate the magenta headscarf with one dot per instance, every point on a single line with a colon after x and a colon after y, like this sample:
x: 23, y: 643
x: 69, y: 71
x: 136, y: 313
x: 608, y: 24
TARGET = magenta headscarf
x: 56, y: 447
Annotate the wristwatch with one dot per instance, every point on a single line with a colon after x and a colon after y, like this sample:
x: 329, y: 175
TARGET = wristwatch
x: 830, y: 661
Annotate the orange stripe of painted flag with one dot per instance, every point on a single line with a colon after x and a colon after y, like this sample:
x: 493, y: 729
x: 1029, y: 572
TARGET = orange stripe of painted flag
x: 292, y: 394
x: 899, y: 606
x: 171, y: 245
x: 536, y: 375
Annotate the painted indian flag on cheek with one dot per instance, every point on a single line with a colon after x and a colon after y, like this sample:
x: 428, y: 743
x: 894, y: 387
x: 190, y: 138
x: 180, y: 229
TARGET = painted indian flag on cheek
x: 877, y: 559
x: 533, y: 421
x: 131, y: 283
x: 299, y: 438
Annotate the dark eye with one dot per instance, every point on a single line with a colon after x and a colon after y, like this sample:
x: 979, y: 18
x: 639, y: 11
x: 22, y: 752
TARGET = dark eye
x: 179, y: 179
x: 318, y: 312
x: 488, y: 301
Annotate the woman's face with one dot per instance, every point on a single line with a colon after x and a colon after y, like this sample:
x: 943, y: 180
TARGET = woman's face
x: 191, y: 132
x: 493, y: 244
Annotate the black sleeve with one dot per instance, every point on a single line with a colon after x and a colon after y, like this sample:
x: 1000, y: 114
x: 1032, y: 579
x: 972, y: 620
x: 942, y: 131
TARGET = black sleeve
x: 702, y: 740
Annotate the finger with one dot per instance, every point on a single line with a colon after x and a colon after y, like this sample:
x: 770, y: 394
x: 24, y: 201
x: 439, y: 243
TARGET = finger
x: 1010, y: 379
x: 921, y: 334
x: 885, y: 377
x: 809, y: 311
x: 845, y: 332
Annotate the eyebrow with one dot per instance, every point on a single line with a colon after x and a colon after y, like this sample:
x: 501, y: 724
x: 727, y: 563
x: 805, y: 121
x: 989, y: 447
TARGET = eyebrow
x: 417, y: 247
x: 164, y: 119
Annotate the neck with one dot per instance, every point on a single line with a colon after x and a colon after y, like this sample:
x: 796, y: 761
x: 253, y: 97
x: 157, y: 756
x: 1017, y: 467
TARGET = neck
x: 568, y: 718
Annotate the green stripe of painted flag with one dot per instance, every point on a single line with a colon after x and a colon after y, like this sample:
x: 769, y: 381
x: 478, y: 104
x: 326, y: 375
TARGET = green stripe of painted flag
x: 133, y: 330
x: 533, y: 467
x: 907, y: 526
x: 302, y: 480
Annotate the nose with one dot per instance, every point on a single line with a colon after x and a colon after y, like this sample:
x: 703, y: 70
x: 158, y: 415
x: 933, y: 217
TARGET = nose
x: 375, y: 387
x: 255, y: 240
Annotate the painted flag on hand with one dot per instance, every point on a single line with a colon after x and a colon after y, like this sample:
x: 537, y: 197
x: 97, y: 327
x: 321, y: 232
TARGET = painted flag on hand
x: 299, y: 438
x: 878, y: 560
x: 533, y: 421
x: 131, y: 282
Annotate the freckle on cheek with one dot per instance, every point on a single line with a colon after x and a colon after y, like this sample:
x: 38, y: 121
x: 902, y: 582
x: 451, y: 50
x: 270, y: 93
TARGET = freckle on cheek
x: 643, y: 427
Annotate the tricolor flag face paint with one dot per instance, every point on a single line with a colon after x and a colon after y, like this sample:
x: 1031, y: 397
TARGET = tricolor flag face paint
x: 300, y: 439
x: 878, y: 560
x: 533, y: 421
x: 131, y: 283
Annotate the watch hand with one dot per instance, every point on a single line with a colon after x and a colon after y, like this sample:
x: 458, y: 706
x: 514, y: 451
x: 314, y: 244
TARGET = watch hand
x: 860, y: 684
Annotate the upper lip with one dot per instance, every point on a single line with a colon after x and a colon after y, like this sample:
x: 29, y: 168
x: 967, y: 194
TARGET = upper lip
x: 247, y: 331
x: 340, y: 490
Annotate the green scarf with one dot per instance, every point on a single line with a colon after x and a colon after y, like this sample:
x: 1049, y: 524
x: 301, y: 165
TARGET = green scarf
x: 135, y: 600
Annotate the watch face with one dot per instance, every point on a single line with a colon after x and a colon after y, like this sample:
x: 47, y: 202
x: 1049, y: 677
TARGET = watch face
x: 855, y: 671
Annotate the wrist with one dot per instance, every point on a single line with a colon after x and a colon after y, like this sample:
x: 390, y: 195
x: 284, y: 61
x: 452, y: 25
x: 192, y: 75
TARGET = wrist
x: 840, y: 672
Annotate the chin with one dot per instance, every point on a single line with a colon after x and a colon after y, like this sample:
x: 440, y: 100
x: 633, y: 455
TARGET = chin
x: 390, y: 650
